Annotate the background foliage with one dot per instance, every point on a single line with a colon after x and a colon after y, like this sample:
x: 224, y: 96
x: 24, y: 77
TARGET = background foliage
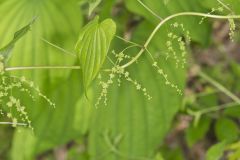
x: 130, y: 126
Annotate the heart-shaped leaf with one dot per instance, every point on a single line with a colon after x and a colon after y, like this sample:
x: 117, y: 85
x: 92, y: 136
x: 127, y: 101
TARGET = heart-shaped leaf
x: 92, y: 47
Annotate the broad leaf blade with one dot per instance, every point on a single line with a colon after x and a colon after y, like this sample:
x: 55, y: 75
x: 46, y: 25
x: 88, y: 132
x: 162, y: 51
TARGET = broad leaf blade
x: 232, y: 130
x: 93, y: 46
x: 142, y: 123
x: 57, y: 126
x: 59, y: 22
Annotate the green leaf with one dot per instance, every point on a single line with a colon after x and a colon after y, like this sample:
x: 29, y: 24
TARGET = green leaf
x: 233, y: 112
x: 59, y: 22
x: 69, y: 120
x: 92, y: 47
x: 224, y: 124
x: 23, y: 145
x: 141, y: 123
x: 6, y: 51
x: 216, y: 151
x: 56, y: 22
x: 92, y: 5
x: 235, y: 151
x: 195, y: 133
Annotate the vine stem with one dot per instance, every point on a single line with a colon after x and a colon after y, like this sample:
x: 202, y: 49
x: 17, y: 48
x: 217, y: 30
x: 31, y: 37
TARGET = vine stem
x: 218, y: 108
x: 169, y: 18
x: 8, y: 69
x: 7, y: 123
x: 219, y: 86
x: 143, y: 47
x: 41, y: 67
x: 59, y: 48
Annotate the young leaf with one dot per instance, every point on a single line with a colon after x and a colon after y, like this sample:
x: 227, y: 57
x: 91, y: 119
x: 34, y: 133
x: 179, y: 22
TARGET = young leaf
x: 232, y: 130
x: 196, y: 133
x: 92, y: 47
x: 92, y: 5
x: 6, y: 51
x: 216, y: 151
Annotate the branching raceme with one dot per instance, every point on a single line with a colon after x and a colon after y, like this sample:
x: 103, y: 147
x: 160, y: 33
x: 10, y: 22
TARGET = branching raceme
x: 91, y: 51
x: 11, y: 105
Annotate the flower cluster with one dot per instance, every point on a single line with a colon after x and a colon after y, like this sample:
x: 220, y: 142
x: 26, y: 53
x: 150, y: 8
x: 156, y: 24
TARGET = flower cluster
x: 165, y: 76
x: 213, y: 10
x: 180, y: 41
x: 221, y: 8
x: 232, y: 27
x: 117, y: 72
x: 11, y: 105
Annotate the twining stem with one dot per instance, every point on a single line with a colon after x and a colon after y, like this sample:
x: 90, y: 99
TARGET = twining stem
x: 127, y: 41
x: 40, y: 67
x: 47, y: 68
x: 219, y: 86
x: 143, y: 47
x: 169, y: 18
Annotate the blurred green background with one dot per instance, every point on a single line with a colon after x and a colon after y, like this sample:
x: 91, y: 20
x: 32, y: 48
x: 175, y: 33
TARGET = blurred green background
x: 170, y: 126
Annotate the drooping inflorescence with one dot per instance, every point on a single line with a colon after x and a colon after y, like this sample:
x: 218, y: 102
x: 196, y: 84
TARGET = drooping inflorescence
x: 177, y: 43
x: 118, y: 73
x: 224, y: 8
x: 11, y: 105
x: 220, y: 9
x: 232, y: 27
x: 165, y: 76
x: 176, y: 49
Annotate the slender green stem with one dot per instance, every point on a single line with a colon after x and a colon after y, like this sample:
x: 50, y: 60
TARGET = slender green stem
x: 110, y: 60
x: 169, y: 18
x: 59, y: 48
x: 128, y: 41
x: 129, y: 47
x: 217, y: 108
x: 143, y: 48
x: 7, y: 69
x: 219, y: 87
x: 149, y: 10
x: 225, y: 6
x: 41, y: 67
x: 11, y: 123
